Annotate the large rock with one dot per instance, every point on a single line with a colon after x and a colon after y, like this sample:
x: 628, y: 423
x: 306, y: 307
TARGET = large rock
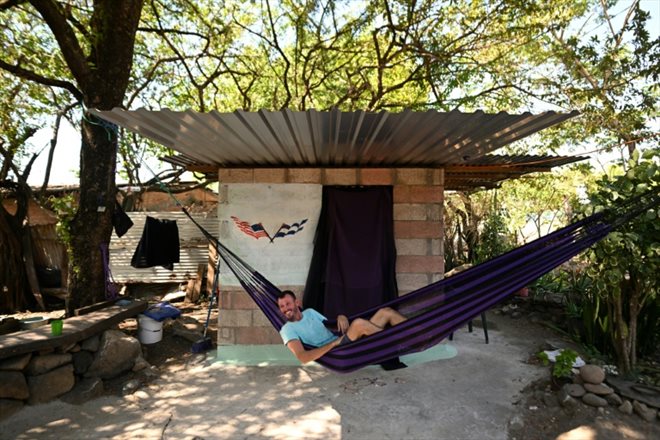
x: 601, y: 389
x: 86, y: 389
x: 92, y: 343
x: 43, y: 364
x: 626, y: 407
x: 614, y: 399
x: 9, y: 407
x: 592, y: 374
x: 644, y: 411
x: 46, y: 387
x: 116, y: 354
x: 594, y: 400
x: 16, y: 363
x: 13, y: 385
x: 140, y: 363
x: 574, y: 390
x: 81, y: 361
x: 568, y: 402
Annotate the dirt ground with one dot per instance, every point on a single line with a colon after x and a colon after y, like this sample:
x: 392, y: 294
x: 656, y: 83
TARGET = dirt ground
x: 536, y: 418
x: 533, y: 416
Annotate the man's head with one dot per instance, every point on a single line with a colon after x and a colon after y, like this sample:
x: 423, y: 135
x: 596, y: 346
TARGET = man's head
x: 289, y: 305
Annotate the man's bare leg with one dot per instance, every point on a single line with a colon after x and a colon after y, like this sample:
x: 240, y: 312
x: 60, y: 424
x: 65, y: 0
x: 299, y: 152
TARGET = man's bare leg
x: 387, y: 316
x: 361, y: 327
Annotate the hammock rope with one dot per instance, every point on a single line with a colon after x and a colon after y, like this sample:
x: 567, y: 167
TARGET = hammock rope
x: 436, y: 310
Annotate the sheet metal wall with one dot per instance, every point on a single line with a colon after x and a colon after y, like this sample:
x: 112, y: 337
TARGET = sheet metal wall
x: 194, y: 249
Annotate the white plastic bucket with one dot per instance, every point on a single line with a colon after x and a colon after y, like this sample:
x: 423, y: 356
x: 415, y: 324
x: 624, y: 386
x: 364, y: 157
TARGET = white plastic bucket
x: 150, y: 331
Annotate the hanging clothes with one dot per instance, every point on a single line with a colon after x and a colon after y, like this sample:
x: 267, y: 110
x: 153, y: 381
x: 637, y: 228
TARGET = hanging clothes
x: 159, y: 245
x: 353, y: 263
x: 120, y: 220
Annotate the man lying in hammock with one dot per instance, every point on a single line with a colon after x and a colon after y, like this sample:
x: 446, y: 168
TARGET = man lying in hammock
x: 307, y: 326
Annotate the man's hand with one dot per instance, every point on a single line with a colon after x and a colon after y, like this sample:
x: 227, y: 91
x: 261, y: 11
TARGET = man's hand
x: 342, y: 323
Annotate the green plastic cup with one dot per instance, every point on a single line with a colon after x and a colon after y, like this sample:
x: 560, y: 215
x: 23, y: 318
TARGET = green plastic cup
x: 56, y: 327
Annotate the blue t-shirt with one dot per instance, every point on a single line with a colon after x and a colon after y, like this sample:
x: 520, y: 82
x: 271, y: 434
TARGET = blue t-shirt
x: 309, y: 329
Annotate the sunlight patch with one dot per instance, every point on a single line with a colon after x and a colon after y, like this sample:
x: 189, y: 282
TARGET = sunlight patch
x: 320, y: 424
x: 579, y: 433
x: 60, y: 422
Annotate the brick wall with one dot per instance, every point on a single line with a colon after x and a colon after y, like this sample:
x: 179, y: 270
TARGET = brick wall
x: 418, y: 205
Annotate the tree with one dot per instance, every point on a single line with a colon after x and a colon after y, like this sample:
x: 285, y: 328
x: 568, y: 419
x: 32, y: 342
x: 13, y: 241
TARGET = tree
x: 625, y: 266
x: 91, y: 47
x: 15, y: 236
x: 602, y: 62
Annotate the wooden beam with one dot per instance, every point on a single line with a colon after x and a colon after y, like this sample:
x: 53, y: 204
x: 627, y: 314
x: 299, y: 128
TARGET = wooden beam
x: 506, y: 168
x: 202, y: 168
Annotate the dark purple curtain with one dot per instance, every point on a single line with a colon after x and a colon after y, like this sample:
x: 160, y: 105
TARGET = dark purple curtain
x: 353, y: 264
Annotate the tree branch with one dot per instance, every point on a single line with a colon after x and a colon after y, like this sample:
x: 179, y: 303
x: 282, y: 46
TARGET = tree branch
x: 35, y: 77
x: 163, y: 31
x: 73, y: 54
x: 275, y: 44
x: 9, y: 159
x: 53, y: 144
x: 8, y: 4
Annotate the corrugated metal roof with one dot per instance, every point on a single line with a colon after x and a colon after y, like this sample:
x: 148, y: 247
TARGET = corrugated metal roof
x: 193, y: 249
x: 332, y: 138
x: 488, y: 171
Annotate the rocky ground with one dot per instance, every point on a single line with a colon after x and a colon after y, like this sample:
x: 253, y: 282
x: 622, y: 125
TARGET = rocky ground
x: 548, y: 411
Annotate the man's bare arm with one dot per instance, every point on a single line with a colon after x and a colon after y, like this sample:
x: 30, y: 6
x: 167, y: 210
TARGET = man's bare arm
x: 306, y: 356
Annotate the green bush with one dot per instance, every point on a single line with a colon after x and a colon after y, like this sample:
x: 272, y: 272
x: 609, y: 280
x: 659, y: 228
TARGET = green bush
x: 563, y: 367
x: 624, y: 266
x: 564, y: 363
x: 494, y: 239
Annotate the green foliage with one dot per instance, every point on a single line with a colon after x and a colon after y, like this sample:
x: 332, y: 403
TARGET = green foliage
x: 625, y: 265
x: 65, y: 208
x: 602, y: 61
x: 354, y: 55
x: 564, y: 363
x: 539, y: 204
x: 494, y: 239
x: 648, y: 327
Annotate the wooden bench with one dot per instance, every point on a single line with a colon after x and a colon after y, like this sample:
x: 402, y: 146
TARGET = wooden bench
x: 75, y: 329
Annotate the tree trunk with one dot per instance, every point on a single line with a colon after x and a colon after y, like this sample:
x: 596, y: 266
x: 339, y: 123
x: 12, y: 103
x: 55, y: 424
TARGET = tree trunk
x: 102, y: 77
x: 13, y: 279
x: 92, y: 225
x: 633, y: 313
x: 620, y: 334
x: 13, y: 286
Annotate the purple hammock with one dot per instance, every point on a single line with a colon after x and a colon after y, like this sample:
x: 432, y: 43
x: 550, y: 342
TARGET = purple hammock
x: 440, y: 308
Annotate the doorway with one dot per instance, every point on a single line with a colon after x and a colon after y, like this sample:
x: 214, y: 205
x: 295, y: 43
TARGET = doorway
x: 353, y: 265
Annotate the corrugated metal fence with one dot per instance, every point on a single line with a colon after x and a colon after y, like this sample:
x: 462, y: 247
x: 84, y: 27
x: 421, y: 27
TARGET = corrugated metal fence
x: 194, y: 249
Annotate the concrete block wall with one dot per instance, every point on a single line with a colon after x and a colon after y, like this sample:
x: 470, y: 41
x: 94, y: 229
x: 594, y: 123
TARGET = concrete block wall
x: 418, y: 232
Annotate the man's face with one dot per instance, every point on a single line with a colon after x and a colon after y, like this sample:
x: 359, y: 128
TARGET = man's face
x: 290, y: 308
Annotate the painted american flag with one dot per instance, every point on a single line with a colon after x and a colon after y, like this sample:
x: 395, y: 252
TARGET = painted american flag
x: 256, y: 230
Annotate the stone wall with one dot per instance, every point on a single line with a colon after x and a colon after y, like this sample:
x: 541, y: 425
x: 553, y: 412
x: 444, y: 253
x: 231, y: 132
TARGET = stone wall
x: 418, y: 231
x: 74, y: 373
